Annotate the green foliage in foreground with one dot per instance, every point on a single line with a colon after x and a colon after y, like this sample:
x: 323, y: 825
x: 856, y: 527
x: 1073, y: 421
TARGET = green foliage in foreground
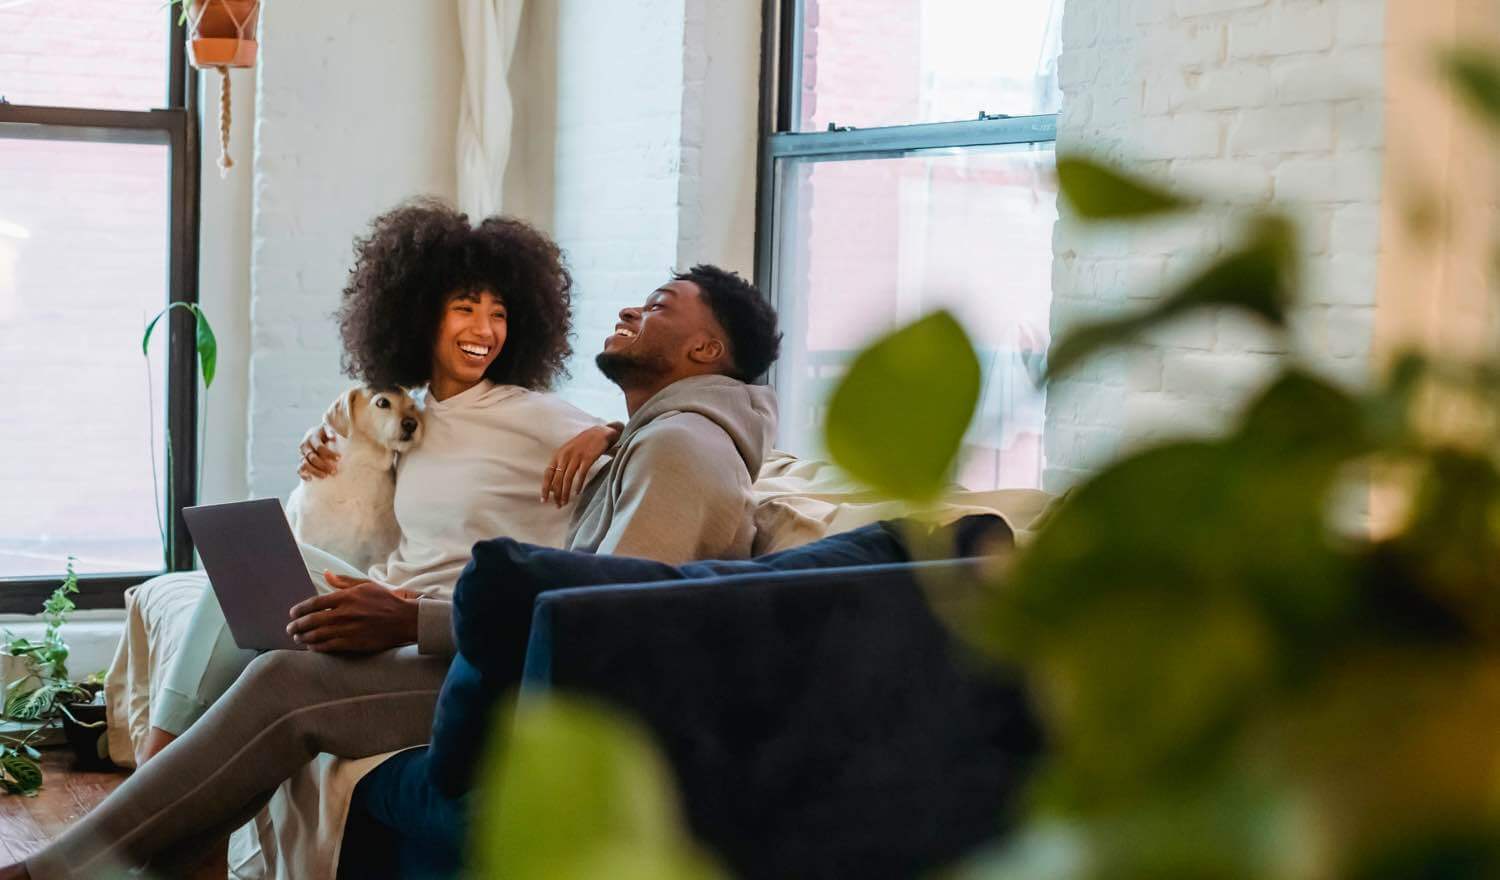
x: 1234, y: 686
x: 573, y: 791
x: 40, y: 697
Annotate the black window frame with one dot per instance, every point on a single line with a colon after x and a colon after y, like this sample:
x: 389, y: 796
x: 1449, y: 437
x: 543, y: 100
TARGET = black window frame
x: 177, y: 126
x: 780, y: 113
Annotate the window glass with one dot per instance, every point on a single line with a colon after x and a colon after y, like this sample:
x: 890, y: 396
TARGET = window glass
x: 83, y: 266
x: 105, y: 54
x: 868, y: 63
x: 865, y: 245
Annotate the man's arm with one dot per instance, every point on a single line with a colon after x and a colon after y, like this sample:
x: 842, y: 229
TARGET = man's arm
x: 683, y: 496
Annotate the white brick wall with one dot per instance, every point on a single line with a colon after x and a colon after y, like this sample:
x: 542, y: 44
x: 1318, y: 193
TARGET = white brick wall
x: 654, y: 160
x: 618, y: 163
x: 357, y: 106
x: 1256, y: 102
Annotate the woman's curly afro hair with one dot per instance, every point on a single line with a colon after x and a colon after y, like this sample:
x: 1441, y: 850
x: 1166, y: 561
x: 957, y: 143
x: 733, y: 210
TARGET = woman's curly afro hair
x: 416, y: 258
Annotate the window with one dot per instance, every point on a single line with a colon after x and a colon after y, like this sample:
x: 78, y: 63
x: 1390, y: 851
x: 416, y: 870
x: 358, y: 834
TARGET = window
x: 907, y: 166
x: 98, y: 232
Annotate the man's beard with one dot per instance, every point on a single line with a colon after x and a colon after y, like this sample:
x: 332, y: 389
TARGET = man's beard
x: 632, y: 371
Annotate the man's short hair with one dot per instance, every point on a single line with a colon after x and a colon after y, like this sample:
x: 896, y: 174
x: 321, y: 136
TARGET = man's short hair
x: 746, y: 317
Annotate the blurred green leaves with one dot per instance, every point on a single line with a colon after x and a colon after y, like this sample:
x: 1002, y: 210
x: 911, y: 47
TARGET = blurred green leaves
x: 1098, y: 192
x: 897, y: 419
x: 205, y: 342
x: 576, y: 791
x: 1475, y: 74
x: 1233, y: 685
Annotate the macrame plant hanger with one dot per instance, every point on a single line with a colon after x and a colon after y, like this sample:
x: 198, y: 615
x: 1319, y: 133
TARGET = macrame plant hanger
x: 223, y: 37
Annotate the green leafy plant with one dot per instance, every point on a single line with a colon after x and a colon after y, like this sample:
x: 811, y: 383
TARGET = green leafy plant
x: 47, y: 662
x: 48, y: 657
x: 207, y: 346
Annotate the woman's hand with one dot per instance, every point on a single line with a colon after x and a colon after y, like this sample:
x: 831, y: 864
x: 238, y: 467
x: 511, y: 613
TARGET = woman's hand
x: 359, y: 617
x: 570, y: 464
x: 318, y: 458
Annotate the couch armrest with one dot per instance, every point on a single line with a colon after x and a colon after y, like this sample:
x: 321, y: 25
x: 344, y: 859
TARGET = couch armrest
x: 821, y: 723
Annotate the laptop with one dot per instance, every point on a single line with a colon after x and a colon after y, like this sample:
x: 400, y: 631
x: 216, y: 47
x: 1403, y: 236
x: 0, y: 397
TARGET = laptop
x: 254, y: 566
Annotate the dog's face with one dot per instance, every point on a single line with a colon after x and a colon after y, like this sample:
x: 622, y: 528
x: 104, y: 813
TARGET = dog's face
x: 391, y: 418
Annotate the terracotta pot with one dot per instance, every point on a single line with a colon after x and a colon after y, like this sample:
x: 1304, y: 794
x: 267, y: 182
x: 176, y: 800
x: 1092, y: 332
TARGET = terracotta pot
x: 223, y: 33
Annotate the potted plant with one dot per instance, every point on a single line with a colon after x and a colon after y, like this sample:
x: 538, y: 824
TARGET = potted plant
x: 222, y: 35
x: 37, y: 689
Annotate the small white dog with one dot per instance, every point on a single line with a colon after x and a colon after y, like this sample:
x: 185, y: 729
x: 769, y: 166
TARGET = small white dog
x: 350, y: 514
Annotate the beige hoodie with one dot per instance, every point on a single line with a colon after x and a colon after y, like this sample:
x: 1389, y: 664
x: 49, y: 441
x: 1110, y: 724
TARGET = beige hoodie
x: 678, y: 485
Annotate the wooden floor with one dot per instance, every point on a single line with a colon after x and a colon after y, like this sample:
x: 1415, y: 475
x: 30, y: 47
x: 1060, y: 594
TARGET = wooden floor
x: 28, y: 824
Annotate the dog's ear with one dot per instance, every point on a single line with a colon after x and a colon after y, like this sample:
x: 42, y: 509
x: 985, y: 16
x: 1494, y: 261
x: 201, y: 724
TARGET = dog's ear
x: 340, y: 416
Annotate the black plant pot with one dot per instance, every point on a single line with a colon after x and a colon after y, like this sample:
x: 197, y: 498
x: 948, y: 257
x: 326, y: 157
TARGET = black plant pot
x: 83, y: 726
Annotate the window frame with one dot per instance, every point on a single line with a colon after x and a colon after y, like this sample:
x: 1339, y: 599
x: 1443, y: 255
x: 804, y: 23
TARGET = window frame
x: 780, y: 112
x: 177, y: 126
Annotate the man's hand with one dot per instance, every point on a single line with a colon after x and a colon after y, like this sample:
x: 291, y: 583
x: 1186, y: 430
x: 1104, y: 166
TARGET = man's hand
x: 360, y: 617
x: 318, y: 458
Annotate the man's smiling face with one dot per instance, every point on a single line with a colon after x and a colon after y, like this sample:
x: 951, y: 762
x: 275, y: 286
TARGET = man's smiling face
x: 654, y: 339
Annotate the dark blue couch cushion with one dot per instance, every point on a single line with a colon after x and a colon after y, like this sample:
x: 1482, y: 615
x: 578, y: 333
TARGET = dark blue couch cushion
x: 497, y: 592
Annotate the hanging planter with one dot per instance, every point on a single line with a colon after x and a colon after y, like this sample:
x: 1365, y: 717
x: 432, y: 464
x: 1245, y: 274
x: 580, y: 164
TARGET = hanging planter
x: 222, y: 35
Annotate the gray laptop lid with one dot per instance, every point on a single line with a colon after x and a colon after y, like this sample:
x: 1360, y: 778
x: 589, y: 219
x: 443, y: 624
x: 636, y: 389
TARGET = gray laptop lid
x: 254, y: 567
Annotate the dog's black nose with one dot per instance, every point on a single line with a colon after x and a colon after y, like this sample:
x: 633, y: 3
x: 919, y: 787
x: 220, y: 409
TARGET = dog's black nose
x: 409, y: 426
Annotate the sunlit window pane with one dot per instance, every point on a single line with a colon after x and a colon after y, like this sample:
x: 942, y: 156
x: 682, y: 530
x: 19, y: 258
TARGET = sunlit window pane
x: 109, y: 54
x: 866, y: 245
x: 868, y: 63
x: 83, y: 264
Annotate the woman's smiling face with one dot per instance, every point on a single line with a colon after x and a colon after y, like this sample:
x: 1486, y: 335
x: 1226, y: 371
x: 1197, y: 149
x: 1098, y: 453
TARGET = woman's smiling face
x: 470, y: 335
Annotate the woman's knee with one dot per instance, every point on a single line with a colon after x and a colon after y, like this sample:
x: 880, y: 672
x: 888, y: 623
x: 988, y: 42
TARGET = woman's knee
x: 288, y: 672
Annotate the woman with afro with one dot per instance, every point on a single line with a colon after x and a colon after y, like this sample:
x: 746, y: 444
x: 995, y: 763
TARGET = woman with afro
x: 475, y: 318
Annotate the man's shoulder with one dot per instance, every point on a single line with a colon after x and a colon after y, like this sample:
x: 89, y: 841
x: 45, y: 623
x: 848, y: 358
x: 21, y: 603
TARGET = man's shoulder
x: 681, y: 430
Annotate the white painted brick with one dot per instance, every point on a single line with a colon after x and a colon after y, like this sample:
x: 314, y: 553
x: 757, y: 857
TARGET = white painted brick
x: 1287, y: 30
x: 1196, y: 331
x: 1144, y: 372
x: 1342, y: 279
x: 1240, y: 179
x: 1077, y: 68
x: 1299, y: 129
x: 1361, y: 23
x: 1308, y: 180
x: 1186, y: 8
x: 1360, y: 124
x: 1314, y: 228
x: 1231, y: 88
x: 1350, y: 331
x: 1237, y: 333
x: 1080, y: 26
x: 1187, y: 136
x: 1350, y: 74
x: 1150, y: 11
x: 1160, y: 417
x: 1248, y: 103
x: 1190, y: 44
x: 1356, y: 229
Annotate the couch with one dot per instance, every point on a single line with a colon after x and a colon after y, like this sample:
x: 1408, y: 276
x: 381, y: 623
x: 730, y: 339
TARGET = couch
x: 820, y: 719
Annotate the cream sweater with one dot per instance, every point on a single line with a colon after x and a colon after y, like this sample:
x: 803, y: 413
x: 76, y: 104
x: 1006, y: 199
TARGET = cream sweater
x: 477, y: 474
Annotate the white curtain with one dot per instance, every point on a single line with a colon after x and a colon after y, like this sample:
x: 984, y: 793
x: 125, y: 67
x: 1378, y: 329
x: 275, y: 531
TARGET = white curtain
x: 487, y: 30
